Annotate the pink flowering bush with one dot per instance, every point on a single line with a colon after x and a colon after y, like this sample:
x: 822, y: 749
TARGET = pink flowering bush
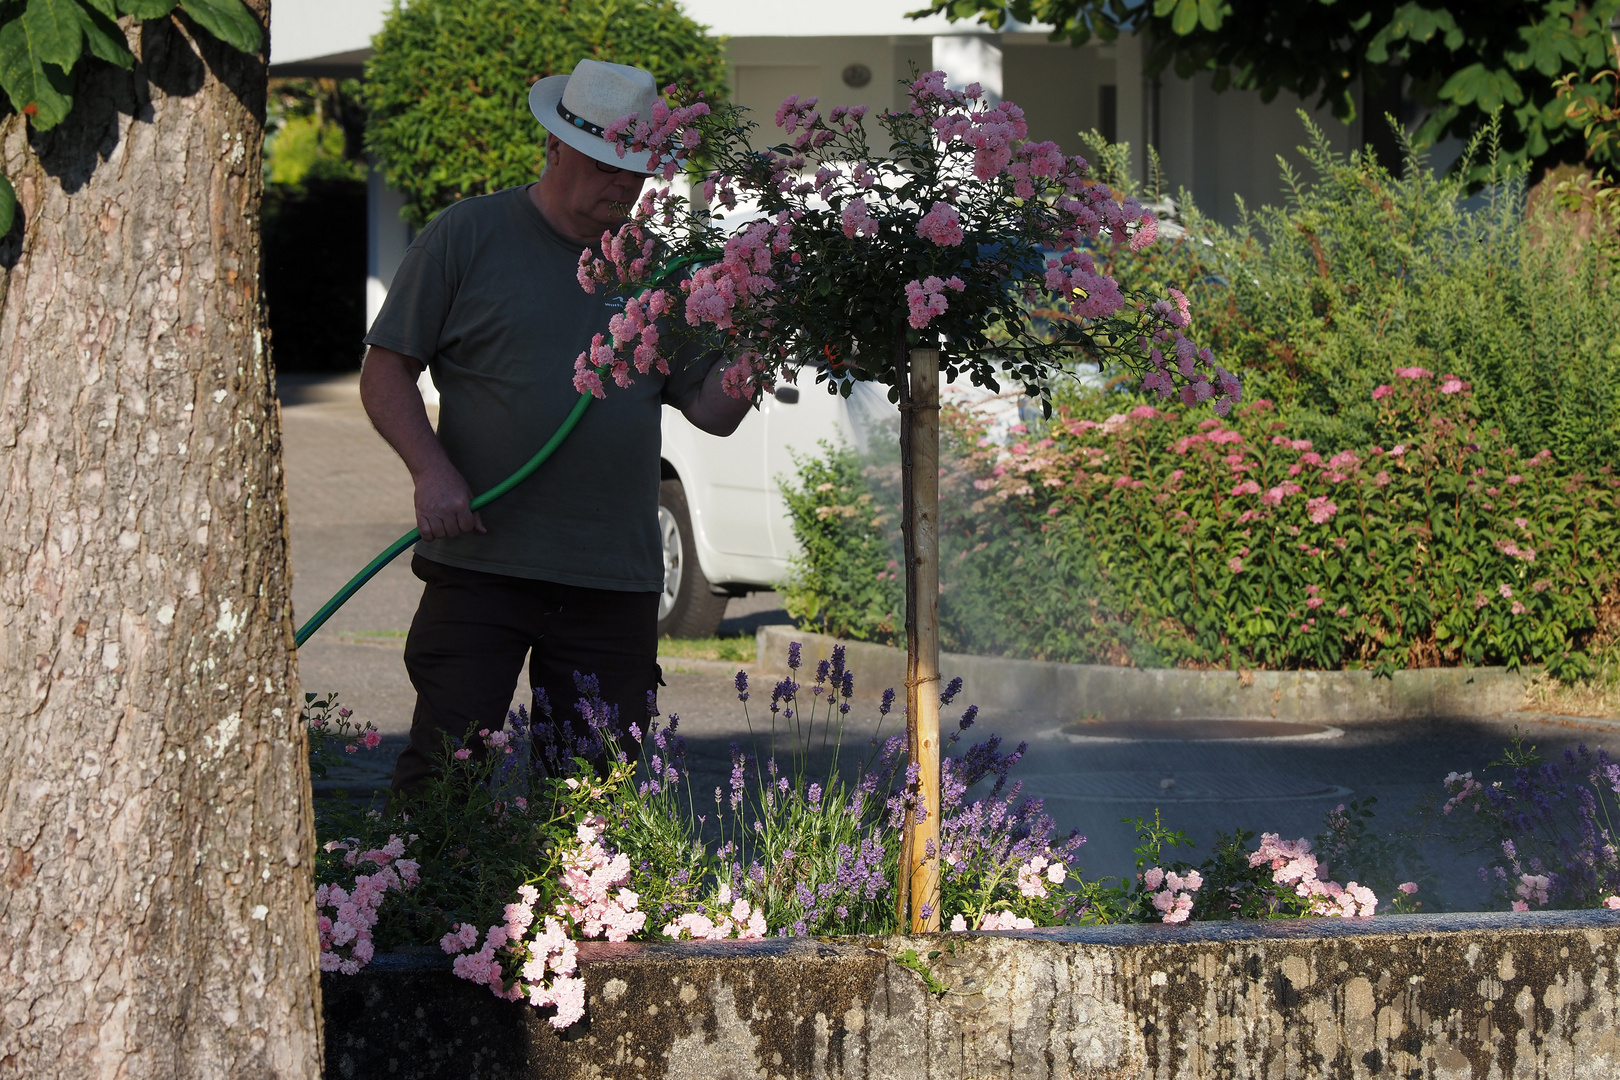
x: 1161, y: 538
x: 530, y: 954
x: 1272, y: 879
x: 822, y: 251
x: 345, y: 914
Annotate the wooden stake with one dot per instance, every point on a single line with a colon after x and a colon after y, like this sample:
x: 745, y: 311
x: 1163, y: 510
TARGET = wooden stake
x: 919, y: 462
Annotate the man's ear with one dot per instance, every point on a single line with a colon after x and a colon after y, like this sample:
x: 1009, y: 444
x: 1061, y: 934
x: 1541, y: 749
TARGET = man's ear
x: 552, y: 145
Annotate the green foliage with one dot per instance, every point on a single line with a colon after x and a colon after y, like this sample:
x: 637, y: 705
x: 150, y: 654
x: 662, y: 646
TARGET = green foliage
x: 1464, y: 61
x: 1150, y: 539
x: 845, y: 581
x: 1361, y: 272
x: 314, y: 130
x: 738, y: 649
x: 1158, y: 540
x: 42, y: 41
x: 447, y: 86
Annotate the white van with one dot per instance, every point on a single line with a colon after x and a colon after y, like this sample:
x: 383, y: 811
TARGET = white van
x: 725, y: 525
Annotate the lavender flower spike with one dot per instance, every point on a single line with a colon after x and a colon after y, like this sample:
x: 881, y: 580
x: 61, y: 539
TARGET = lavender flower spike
x: 742, y: 685
x: 794, y: 649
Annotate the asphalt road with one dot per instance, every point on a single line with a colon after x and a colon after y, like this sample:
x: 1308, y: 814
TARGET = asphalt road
x: 349, y: 496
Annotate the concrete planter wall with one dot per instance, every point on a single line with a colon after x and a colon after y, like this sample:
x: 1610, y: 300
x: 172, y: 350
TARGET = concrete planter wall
x: 1116, y: 693
x: 1433, y: 996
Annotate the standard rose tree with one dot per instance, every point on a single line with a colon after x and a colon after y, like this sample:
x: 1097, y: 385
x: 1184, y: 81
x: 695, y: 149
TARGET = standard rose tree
x: 822, y: 254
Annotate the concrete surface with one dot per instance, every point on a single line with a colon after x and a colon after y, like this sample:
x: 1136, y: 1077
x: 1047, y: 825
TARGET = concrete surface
x: 1437, y: 997
x: 1122, y: 693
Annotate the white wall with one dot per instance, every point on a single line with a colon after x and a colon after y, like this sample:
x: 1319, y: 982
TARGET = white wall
x: 304, y: 29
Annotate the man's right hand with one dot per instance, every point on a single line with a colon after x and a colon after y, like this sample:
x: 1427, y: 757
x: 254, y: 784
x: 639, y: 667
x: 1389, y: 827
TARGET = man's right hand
x: 388, y: 391
x: 444, y: 504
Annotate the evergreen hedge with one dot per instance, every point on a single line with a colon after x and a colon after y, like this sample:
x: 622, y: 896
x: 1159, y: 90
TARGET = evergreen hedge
x: 447, y: 85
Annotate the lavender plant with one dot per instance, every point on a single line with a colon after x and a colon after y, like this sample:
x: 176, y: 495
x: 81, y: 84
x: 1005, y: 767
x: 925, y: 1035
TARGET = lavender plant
x: 1548, y: 826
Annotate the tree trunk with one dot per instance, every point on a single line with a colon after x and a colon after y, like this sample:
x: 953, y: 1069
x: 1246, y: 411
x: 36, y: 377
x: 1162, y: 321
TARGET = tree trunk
x: 919, y: 475
x: 156, y: 837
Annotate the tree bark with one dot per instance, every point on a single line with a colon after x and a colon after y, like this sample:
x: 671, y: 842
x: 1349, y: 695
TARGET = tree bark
x: 919, y: 473
x: 156, y: 835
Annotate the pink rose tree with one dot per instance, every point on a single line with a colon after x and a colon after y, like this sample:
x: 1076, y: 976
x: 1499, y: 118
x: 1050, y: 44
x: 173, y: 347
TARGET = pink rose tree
x: 825, y: 255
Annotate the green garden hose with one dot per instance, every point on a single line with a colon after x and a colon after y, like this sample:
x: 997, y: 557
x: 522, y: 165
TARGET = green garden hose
x: 390, y: 553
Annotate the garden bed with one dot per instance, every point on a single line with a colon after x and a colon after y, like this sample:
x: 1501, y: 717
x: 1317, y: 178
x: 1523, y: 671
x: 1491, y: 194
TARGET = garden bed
x: 1122, y: 693
x: 1524, y: 995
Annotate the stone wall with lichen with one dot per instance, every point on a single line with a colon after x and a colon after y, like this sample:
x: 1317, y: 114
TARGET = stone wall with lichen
x: 1464, y: 996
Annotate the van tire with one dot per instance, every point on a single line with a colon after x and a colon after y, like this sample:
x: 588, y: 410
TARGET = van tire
x: 688, y: 607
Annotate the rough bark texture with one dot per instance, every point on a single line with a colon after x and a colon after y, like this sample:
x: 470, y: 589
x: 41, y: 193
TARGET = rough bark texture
x: 919, y: 469
x: 155, y: 825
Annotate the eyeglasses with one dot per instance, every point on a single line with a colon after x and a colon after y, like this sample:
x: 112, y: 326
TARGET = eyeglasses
x: 604, y: 167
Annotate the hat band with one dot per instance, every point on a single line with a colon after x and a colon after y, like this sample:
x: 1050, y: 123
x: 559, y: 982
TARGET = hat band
x: 579, y: 121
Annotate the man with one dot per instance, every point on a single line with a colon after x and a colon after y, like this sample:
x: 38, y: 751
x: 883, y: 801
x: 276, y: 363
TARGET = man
x: 568, y: 565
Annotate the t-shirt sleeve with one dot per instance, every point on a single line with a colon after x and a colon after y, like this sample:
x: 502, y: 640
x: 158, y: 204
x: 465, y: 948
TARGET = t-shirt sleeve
x: 687, y: 370
x: 418, y: 302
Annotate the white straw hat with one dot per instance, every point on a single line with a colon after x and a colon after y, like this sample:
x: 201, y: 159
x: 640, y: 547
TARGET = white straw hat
x: 576, y: 108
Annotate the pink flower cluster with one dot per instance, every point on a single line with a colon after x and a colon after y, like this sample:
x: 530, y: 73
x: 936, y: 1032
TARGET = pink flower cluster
x: 666, y: 136
x: 926, y: 298
x: 538, y: 967
x: 516, y: 964
x: 344, y: 917
x: 1293, y: 864
x: 1531, y: 888
x: 739, y: 920
x: 590, y: 875
x: 1034, y: 875
x: 1173, y: 902
x: 1006, y: 920
x: 942, y: 224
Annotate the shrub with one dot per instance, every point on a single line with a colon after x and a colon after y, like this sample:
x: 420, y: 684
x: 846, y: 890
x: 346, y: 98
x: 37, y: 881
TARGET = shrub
x: 447, y: 86
x: 845, y: 581
x: 1359, y: 272
x: 1150, y: 539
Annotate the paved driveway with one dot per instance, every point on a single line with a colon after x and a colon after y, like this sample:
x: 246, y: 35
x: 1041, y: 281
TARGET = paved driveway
x: 349, y: 496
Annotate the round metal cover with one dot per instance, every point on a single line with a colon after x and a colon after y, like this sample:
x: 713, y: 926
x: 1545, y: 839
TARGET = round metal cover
x: 857, y: 76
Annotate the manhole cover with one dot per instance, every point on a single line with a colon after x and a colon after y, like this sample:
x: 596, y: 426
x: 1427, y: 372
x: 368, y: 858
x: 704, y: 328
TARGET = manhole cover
x: 1180, y: 787
x: 1196, y: 731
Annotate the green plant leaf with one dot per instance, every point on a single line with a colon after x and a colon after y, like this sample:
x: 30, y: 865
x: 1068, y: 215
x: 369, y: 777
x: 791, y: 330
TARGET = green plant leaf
x: 228, y: 20
x: 43, y: 94
x: 53, y: 31
x: 106, y: 7
x: 146, y: 9
x: 8, y: 206
x: 101, y: 33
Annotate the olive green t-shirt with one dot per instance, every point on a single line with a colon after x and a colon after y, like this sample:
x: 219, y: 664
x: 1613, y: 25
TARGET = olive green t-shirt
x: 487, y: 297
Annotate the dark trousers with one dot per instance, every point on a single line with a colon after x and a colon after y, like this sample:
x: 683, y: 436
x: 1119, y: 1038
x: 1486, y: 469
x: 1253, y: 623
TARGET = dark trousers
x: 472, y: 632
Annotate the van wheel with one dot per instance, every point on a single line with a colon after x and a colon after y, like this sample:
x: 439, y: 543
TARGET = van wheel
x: 688, y: 607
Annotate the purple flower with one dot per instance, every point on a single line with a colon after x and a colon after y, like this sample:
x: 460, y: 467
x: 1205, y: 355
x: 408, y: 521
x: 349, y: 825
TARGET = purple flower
x: 952, y: 688
x: 793, y: 655
x: 888, y: 702
x: 741, y: 682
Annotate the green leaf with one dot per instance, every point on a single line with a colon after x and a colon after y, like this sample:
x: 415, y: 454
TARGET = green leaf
x: 1185, y: 18
x: 1209, y: 14
x: 146, y: 9
x: 228, y: 20
x: 101, y: 33
x: 53, y: 32
x: 105, y: 7
x: 8, y: 206
x: 43, y: 94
